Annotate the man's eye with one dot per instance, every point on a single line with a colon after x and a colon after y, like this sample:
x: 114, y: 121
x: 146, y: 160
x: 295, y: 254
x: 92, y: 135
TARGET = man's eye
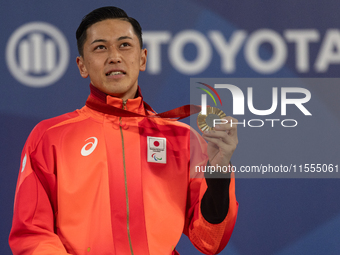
x: 124, y: 44
x: 100, y: 47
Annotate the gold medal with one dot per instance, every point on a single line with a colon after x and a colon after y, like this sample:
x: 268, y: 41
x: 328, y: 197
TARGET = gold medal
x: 206, y: 122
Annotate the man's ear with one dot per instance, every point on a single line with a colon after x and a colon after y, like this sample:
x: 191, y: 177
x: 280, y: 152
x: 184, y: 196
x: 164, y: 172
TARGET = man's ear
x: 82, y: 67
x: 142, y: 66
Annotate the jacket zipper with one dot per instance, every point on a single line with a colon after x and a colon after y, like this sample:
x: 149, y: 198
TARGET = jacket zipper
x: 125, y: 182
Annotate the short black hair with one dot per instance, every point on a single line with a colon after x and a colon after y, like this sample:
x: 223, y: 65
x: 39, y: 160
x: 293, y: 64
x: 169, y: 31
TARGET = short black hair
x: 104, y: 13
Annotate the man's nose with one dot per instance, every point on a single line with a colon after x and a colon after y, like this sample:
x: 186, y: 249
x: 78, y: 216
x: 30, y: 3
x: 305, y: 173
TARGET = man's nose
x: 114, y: 55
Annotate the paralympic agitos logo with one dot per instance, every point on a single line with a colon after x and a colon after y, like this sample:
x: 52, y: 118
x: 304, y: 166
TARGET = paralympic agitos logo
x: 295, y: 96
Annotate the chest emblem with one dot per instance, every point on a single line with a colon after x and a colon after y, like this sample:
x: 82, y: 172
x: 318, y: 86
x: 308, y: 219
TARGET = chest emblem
x: 156, y: 149
x: 89, y: 147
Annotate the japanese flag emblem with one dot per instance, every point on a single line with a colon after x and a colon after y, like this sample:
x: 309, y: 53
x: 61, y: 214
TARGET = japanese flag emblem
x: 156, y: 149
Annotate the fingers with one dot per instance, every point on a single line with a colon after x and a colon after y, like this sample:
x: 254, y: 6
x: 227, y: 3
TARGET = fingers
x: 223, y: 132
x: 216, y: 136
x: 230, y: 126
x: 217, y: 142
x: 222, y: 141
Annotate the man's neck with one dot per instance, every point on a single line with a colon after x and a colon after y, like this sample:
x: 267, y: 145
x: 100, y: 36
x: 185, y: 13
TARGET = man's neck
x: 100, y: 95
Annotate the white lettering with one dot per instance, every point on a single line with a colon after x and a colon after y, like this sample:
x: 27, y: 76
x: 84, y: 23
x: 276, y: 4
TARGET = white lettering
x: 272, y: 120
x: 228, y: 51
x: 237, y: 123
x: 330, y: 51
x: 228, y: 48
x: 238, y: 97
x: 258, y: 120
x: 298, y: 101
x: 262, y: 112
x: 252, y: 49
x: 302, y: 38
x: 153, y: 41
x: 292, y: 120
x: 219, y: 121
x: 204, y: 52
x: 204, y: 104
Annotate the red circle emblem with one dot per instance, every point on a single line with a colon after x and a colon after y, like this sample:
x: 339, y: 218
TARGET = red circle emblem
x: 156, y: 143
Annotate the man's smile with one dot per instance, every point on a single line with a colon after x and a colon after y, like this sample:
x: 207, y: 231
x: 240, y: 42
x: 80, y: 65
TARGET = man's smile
x: 114, y: 73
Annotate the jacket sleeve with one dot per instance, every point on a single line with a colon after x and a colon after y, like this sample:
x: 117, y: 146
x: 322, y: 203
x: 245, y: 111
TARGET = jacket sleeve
x: 208, y: 234
x: 33, y: 226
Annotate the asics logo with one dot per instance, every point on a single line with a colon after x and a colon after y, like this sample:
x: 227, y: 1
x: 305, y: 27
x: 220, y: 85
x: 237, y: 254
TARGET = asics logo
x: 89, y: 147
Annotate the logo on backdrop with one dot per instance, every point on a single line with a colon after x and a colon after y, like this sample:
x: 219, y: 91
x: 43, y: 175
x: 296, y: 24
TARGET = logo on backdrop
x: 37, y: 54
x: 250, y: 46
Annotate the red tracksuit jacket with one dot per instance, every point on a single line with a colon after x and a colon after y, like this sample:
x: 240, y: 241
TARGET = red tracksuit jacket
x: 94, y: 183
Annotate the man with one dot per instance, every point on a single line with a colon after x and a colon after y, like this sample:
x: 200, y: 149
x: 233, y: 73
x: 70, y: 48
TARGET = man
x: 89, y: 183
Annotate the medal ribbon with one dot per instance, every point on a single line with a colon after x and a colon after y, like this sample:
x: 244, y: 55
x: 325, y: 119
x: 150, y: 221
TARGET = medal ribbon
x: 174, y: 114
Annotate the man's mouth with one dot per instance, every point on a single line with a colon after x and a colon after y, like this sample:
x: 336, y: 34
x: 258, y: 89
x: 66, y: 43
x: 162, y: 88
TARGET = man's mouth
x: 114, y: 73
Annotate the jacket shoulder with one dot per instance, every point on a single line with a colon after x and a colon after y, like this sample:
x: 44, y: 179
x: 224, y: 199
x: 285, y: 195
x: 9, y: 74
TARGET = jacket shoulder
x: 43, y: 126
x: 47, y: 124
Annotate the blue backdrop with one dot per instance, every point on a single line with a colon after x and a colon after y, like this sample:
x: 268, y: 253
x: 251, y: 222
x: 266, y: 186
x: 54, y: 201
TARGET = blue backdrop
x: 202, y: 38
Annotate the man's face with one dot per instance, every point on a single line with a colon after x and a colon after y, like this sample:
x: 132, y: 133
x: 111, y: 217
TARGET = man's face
x: 112, y: 58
